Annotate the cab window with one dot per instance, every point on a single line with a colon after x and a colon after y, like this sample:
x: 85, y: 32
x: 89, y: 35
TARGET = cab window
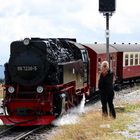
x: 85, y: 64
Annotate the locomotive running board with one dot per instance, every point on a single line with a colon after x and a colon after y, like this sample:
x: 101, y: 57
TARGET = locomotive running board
x: 27, y: 121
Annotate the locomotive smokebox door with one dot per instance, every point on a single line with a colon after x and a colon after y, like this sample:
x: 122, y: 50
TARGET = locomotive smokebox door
x: 26, y: 63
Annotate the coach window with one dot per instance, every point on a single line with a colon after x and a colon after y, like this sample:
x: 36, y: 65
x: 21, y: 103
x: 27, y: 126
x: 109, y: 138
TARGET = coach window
x: 126, y: 59
x: 136, y: 59
x: 131, y: 59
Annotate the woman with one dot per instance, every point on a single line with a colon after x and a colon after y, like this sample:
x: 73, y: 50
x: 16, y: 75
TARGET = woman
x: 106, y: 90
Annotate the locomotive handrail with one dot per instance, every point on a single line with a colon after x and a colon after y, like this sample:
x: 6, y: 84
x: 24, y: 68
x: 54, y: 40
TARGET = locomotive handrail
x: 60, y: 85
x: 66, y: 89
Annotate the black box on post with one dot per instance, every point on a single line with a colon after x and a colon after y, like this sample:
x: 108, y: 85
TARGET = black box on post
x: 106, y: 5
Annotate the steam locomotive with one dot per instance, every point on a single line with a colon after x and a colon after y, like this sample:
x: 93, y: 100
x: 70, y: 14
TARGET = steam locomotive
x: 47, y: 76
x: 43, y: 79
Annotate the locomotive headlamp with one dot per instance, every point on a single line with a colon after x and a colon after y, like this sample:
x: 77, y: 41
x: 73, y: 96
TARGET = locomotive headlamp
x: 26, y: 41
x: 39, y: 89
x: 11, y: 89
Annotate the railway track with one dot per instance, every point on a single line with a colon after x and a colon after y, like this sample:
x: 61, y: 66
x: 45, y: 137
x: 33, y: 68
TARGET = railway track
x: 18, y: 133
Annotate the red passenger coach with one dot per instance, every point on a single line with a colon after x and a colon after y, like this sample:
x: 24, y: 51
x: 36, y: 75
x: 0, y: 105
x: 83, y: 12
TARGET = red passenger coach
x: 97, y: 54
x: 128, y: 62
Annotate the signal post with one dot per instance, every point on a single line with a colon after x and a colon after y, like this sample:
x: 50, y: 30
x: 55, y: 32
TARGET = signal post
x: 107, y: 7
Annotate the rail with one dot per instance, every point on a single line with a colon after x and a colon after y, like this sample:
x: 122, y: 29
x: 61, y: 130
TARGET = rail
x: 25, y: 134
x: 18, y: 133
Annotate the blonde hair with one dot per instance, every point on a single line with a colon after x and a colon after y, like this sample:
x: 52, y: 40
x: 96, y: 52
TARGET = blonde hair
x: 105, y: 63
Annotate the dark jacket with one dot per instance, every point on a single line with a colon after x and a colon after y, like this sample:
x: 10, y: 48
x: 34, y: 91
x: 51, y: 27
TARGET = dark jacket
x: 105, y: 84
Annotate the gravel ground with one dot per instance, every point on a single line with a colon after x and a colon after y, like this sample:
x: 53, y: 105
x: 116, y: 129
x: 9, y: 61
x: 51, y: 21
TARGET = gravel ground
x: 130, y: 95
x: 133, y: 131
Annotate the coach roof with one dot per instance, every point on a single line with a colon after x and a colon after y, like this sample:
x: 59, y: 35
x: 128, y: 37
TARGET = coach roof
x: 126, y: 47
x: 100, y: 48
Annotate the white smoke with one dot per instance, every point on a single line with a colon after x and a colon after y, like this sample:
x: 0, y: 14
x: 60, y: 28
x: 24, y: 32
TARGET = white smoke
x: 72, y: 116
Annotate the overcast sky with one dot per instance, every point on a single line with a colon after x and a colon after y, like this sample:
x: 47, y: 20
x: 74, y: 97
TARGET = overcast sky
x: 78, y: 19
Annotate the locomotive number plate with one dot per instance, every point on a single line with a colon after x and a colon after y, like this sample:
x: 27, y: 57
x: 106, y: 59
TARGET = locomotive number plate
x: 27, y: 68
